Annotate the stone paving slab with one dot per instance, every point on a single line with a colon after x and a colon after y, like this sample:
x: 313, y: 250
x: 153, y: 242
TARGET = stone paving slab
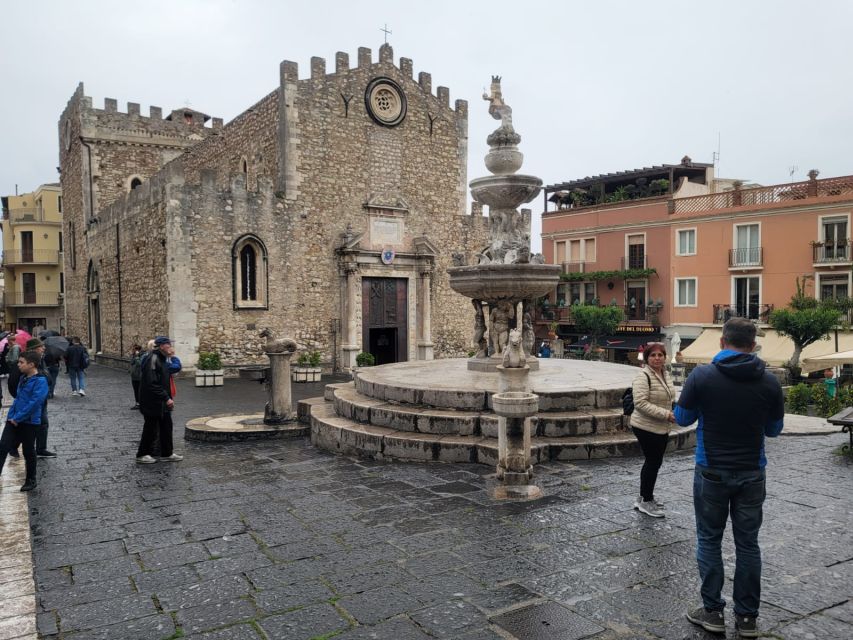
x: 268, y: 540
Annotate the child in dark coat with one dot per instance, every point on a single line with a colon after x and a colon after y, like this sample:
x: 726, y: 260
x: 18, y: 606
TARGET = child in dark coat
x: 25, y: 415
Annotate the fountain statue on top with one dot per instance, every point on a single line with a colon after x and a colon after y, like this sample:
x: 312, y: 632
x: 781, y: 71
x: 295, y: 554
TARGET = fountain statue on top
x: 507, y: 277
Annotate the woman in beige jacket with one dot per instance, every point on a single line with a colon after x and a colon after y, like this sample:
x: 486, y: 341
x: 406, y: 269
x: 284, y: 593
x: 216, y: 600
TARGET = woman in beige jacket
x: 651, y: 421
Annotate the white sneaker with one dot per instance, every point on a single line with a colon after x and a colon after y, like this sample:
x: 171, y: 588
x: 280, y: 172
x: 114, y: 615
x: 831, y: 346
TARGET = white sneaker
x: 172, y: 458
x: 146, y: 460
x: 650, y: 509
x: 75, y: 393
x: 82, y: 393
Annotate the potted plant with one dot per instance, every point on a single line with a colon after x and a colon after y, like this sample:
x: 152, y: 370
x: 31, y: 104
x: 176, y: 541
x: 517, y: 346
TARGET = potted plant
x: 552, y: 329
x: 365, y: 359
x: 307, y: 367
x: 208, y: 371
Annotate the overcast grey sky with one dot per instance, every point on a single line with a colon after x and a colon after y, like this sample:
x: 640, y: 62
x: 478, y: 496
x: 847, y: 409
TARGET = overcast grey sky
x: 594, y: 86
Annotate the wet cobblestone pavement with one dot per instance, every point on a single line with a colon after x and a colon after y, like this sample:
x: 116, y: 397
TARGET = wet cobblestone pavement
x: 278, y: 540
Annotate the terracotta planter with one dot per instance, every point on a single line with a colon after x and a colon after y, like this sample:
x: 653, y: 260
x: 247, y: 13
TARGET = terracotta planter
x: 209, y: 377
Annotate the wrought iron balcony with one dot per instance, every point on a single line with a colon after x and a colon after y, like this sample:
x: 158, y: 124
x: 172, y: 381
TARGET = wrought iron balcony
x: 756, y: 312
x: 32, y: 298
x: 746, y: 257
x: 578, y: 267
x: 634, y: 262
x: 831, y: 252
x: 31, y: 256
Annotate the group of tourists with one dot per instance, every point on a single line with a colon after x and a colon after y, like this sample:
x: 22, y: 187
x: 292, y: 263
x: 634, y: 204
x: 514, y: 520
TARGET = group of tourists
x: 32, y: 374
x: 737, y: 403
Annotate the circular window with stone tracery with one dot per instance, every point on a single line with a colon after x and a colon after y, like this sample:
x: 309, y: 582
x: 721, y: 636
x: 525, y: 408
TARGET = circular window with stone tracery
x: 385, y: 101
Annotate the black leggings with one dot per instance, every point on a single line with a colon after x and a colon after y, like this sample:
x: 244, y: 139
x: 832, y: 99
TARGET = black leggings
x: 653, y: 446
x: 22, y: 434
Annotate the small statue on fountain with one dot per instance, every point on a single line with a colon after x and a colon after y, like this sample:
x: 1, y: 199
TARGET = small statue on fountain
x: 480, y: 330
x: 500, y: 318
x: 498, y: 109
x: 528, y: 338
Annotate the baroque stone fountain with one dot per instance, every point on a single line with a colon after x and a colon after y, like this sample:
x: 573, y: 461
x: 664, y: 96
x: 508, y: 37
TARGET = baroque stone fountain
x: 503, y: 407
x: 507, y: 277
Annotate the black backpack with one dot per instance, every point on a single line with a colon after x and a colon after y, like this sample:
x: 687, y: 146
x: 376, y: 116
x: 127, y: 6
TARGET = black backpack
x: 628, y: 398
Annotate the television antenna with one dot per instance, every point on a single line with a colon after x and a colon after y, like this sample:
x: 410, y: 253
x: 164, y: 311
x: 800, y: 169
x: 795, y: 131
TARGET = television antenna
x: 792, y: 170
x: 715, y: 157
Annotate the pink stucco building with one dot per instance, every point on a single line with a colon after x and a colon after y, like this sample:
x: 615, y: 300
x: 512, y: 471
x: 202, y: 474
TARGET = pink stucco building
x: 717, y: 248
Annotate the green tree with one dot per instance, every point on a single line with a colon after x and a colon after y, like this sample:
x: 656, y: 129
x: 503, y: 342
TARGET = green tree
x: 596, y: 321
x: 803, y: 324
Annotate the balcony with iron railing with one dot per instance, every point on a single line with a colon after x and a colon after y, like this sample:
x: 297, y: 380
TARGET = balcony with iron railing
x: 31, y: 256
x: 764, y: 196
x: 633, y: 262
x: 640, y: 313
x: 584, y: 266
x: 746, y: 258
x: 23, y: 215
x: 32, y: 298
x: 831, y: 253
x: 757, y: 312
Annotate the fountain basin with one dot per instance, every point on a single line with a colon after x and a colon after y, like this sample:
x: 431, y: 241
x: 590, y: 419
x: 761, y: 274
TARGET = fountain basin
x: 515, y: 404
x: 505, y: 191
x: 504, y: 281
x: 258, y: 373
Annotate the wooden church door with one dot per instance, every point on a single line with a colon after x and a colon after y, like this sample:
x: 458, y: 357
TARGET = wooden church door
x: 384, y: 315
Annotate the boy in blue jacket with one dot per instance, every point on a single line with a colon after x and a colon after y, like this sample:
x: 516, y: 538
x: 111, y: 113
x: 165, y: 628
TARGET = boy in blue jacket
x: 25, y: 415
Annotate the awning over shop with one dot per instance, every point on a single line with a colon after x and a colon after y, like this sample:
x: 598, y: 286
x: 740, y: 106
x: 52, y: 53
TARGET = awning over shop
x: 628, y: 343
x: 775, y: 350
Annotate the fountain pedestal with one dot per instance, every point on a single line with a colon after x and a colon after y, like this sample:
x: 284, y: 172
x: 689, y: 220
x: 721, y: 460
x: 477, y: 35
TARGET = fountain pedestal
x: 279, y: 407
x: 514, y: 405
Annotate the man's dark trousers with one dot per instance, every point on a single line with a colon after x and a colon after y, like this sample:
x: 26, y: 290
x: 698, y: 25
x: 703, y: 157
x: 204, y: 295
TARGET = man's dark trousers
x: 716, y: 494
x: 153, y: 428
x: 41, y: 431
x: 21, y: 434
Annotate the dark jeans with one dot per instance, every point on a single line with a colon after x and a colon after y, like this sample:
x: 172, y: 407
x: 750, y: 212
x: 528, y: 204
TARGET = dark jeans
x: 41, y: 430
x: 154, y: 427
x: 718, y: 493
x: 52, y: 374
x: 135, y: 385
x: 22, y: 434
x: 653, y: 446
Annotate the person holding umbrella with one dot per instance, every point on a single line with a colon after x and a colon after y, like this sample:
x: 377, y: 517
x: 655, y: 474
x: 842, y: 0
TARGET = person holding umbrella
x: 55, y: 348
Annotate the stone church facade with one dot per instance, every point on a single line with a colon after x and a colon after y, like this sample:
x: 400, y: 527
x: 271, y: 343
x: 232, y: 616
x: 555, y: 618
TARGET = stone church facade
x: 328, y: 211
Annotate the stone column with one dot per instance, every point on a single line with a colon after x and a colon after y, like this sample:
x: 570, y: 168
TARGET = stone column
x: 352, y: 342
x: 425, y: 345
x: 279, y: 408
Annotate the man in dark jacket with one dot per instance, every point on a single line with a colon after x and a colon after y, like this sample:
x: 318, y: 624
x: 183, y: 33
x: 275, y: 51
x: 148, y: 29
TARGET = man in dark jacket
x: 76, y: 359
x: 156, y: 403
x: 737, y: 404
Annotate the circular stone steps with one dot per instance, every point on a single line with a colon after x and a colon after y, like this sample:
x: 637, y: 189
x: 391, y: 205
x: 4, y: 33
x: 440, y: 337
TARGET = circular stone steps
x: 335, y: 433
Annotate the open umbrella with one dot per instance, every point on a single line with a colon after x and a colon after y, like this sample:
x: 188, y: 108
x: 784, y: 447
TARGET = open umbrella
x: 21, y: 338
x: 48, y: 333
x: 56, y: 346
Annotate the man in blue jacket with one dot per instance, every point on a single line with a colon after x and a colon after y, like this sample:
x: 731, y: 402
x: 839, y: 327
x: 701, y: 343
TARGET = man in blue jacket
x: 737, y: 404
x: 25, y: 415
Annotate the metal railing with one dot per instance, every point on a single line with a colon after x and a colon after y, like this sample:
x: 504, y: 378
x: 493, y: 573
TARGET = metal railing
x: 578, y: 267
x: 32, y: 256
x: 746, y: 257
x: 25, y: 214
x: 831, y: 252
x: 634, y: 262
x: 757, y: 312
x: 760, y: 196
x: 32, y: 298
x: 563, y: 315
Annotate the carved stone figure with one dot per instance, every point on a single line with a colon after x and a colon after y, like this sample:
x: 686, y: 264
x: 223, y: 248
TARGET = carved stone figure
x: 498, y: 109
x: 514, y: 353
x: 500, y: 318
x: 273, y: 345
x: 458, y: 259
x: 675, y: 345
x: 479, y: 330
x: 528, y: 338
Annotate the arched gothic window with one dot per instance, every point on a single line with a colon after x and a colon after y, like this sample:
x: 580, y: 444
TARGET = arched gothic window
x: 133, y: 182
x: 248, y: 273
x: 249, y: 262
